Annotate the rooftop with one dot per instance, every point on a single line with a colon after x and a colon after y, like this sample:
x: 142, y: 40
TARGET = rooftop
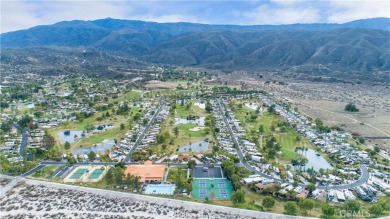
x: 146, y: 171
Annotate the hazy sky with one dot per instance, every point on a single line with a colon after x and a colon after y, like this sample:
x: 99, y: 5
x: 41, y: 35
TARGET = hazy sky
x: 17, y: 14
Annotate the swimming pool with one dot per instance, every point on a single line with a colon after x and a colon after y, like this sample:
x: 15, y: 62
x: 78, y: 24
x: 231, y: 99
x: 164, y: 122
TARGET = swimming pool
x: 162, y: 189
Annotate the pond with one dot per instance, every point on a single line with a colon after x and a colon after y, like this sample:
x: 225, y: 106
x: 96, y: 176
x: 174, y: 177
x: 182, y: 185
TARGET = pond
x: 314, y: 161
x: 194, y: 147
x: 100, y: 128
x: 30, y: 105
x: 200, y: 121
x: 251, y: 105
x: 69, y: 137
x: 99, y: 148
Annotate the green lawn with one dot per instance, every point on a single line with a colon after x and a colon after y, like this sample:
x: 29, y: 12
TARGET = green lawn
x: 267, y: 120
x: 173, y: 173
x: 115, y: 133
x: 46, y: 171
x: 287, y: 138
x: 130, y: 96
x: 185, y: 129
x: 181, y: 111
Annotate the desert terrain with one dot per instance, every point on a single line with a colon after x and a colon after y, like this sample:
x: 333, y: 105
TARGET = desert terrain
x: 39, y: 199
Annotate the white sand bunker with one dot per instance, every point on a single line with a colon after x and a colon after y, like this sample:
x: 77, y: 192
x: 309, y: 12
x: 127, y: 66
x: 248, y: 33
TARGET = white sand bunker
x: 197, y: 128
x: 200, y: 105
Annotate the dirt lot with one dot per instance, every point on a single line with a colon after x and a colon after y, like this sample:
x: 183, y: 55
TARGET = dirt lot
x: 163, y: 84
x: 327, y: 101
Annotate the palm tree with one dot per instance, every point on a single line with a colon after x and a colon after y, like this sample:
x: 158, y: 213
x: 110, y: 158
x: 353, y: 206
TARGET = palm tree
x: 294, y: 162
x: 321, y: 171
x: 303, y: 162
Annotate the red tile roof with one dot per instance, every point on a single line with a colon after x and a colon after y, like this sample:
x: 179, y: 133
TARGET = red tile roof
x: 147, y: 171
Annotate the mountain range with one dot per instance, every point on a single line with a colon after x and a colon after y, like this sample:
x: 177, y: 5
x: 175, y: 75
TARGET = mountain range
x: 358, y: 49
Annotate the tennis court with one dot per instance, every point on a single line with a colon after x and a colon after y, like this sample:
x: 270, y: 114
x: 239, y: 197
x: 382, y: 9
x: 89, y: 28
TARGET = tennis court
x: 96, y: 173
x: 78, y: 173
x: 211, y: 188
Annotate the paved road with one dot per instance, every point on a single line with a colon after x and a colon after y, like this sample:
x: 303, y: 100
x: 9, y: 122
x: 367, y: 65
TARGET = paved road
x: 39, y: 167
x: 142, y: 135
x: 23, y: 144
x: 56, y: 172
x: 364, y: 177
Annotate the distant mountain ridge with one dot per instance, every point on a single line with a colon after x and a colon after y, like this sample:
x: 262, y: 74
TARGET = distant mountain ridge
x: 357, y: 48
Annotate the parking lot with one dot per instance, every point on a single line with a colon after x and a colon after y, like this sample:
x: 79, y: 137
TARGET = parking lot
x: 215, y: 172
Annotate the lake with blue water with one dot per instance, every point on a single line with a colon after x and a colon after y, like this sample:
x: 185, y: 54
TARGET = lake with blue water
x: 194, y: 147
x: 98, y: 148
x: 70, y: 137
x: 314, y: 161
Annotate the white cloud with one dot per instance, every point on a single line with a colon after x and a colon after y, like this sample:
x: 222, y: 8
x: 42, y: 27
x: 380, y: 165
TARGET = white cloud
x: 287, y: 14
x: 22, y: 14
x: 169, y: 18
x: 344, y: 11
x: 289, y: 2
x: 17, y: 15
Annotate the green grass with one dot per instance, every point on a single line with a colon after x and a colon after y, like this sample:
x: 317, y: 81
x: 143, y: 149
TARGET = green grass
x: 173, y: 173
x: 185, y: 129
x: 289, y: 143
x: 183, y: 138
x: 130, y: 96
x: 182, y: 110
x: 115, y: 133
x: 46, y: 171
x: 199, y: 111
x: 287, y: 139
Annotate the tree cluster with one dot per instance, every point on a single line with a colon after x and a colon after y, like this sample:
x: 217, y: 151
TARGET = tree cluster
x: 272, y: 147
x: 350, y: 107
x: 230, y: 171
x: 116, y: 176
